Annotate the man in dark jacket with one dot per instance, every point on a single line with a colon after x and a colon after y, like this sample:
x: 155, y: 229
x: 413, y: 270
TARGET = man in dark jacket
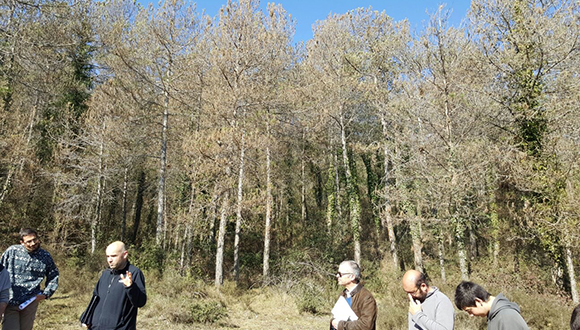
x: 501, y: 313
x: 120, y: 292
x: 360, y: 299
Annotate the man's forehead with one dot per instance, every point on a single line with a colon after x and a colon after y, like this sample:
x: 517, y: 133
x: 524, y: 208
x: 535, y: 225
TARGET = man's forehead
x: 113, y: 250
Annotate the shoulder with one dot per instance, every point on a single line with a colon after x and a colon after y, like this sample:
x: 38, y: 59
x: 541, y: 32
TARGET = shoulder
x: 441, y: 296
x: 134, y: 270
x: 44, y: 253
x: 14, y: 249
x: 45, y: 256
x: 365, y: 293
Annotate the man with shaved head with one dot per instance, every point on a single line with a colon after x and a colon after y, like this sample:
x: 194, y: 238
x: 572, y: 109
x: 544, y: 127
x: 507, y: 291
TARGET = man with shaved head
x: 429, y: 308
x: 119, y: 292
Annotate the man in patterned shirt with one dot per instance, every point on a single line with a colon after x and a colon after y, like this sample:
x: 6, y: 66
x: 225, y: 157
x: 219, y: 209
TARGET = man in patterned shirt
x: 27, y: 265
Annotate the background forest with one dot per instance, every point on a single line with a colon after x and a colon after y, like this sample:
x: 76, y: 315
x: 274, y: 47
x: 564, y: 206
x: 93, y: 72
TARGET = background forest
x: 222, y: 152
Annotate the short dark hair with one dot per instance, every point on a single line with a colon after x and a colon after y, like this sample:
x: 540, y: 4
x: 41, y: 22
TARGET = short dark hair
x: 420, y: 280
x: 467, y: 292
x: 575, y: 320
x: 26, y: 232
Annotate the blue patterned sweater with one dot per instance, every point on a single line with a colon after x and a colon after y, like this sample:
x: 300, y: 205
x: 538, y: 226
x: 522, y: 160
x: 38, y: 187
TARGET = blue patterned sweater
x: 27, y: 271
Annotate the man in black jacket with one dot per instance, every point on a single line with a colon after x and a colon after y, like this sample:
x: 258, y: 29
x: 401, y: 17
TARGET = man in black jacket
x: 120, y: 292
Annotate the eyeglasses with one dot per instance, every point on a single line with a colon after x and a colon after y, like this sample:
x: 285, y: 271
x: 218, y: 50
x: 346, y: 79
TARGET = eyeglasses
x: 339, y: 274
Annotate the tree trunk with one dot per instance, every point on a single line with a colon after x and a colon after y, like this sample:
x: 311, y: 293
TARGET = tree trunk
x: 124, y: 215
x: 415, y: 226
x: 472, y: 242
x: 303, y: 179
x: 441, y: 253
x: 97, y: 216
x: 494, y: 231
x: 267, y: 227
x: 219, y: 258
x: 162, y: 171
x: 331, y: 199
x: 138, y: 206
x: 353, y: 199
x: 337, y: 189
x: 239, y: 209
x: 388, y: 220
x: 461, y: 253
x: 571, y: 274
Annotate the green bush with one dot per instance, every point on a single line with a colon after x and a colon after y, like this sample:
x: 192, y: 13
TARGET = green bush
x: 309, y: 298
x: 207, y: 311
x: 149, y: 257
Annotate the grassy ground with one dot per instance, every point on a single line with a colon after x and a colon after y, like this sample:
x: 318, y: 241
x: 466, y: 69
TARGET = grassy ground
x: 256, y: 309
x: 174, y: 303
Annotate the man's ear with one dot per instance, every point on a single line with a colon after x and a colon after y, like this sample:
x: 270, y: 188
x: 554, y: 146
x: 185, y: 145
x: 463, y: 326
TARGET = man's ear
x: 478, y: 302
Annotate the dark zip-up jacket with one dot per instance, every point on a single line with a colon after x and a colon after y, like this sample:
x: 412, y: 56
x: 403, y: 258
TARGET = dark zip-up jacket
x: 117, y: 306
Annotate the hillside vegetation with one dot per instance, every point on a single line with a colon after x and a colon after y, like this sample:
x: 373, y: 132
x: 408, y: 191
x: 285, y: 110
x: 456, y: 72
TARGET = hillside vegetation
x: 241, y: 168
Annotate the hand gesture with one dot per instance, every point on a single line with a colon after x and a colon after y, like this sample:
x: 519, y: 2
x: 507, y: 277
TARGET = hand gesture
x: 414, y: 305
x: 127, y: 279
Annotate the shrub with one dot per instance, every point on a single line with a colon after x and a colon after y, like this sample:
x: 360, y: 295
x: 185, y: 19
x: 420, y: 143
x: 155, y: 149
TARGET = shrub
x: 207, y: 311
x: 310, y: 298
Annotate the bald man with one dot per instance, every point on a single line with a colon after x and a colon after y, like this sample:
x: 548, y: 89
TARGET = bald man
x: 120, y: 292
x: 429, y: 308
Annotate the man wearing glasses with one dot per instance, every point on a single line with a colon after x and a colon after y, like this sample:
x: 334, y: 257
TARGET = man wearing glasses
x: 27, y: 265
x: 360, y: 300
x: 429, y: 308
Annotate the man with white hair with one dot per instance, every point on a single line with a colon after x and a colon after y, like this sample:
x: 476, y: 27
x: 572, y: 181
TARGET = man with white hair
x: 360, y: 300
x: 119, y: 292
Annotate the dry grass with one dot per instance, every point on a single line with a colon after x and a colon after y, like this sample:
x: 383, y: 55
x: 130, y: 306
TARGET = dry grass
x: 171, y: 298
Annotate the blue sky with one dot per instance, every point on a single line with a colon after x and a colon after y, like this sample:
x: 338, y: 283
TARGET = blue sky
x: 306, y: 12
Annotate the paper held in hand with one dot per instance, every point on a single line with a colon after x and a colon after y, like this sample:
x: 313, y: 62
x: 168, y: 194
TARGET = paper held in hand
x: 342, y: 311
x: 26, y: 303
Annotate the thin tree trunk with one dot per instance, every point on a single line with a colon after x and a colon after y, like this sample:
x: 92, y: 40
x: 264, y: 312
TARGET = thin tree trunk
x: 161, y: 188
x: 415, y: 226
x: 303, y: 179
x: 331, y: 198
x: 494, y: 231
x: 239, y: 209
x: 162, y: 166
x: 353, y: 199
x: 461, y: 252
x: 387, y: 212
x: 267, y: 227
x: 97, y: 217
x: 219, y: 258
x: 138, y: 206
x: 124, y: 215
x: 572, y: 274
x: 472, y: 242
x: 337, y: 189
x: 441, y: 253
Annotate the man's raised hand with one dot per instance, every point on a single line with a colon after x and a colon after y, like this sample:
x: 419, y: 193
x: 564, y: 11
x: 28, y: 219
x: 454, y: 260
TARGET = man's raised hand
x: 127, y: 279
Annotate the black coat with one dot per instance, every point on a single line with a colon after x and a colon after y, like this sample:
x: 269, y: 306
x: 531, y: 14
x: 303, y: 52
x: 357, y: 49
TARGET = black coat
x: 117, y: 305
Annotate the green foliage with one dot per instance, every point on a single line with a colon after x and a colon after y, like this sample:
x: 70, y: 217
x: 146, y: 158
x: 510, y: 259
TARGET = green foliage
x: 309, y: 297
x: 149, y: 257
x: 207, y: 311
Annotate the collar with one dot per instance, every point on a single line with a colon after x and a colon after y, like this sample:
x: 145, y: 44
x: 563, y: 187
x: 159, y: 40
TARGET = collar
x: 120, y: 271
x: 353, y: 292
